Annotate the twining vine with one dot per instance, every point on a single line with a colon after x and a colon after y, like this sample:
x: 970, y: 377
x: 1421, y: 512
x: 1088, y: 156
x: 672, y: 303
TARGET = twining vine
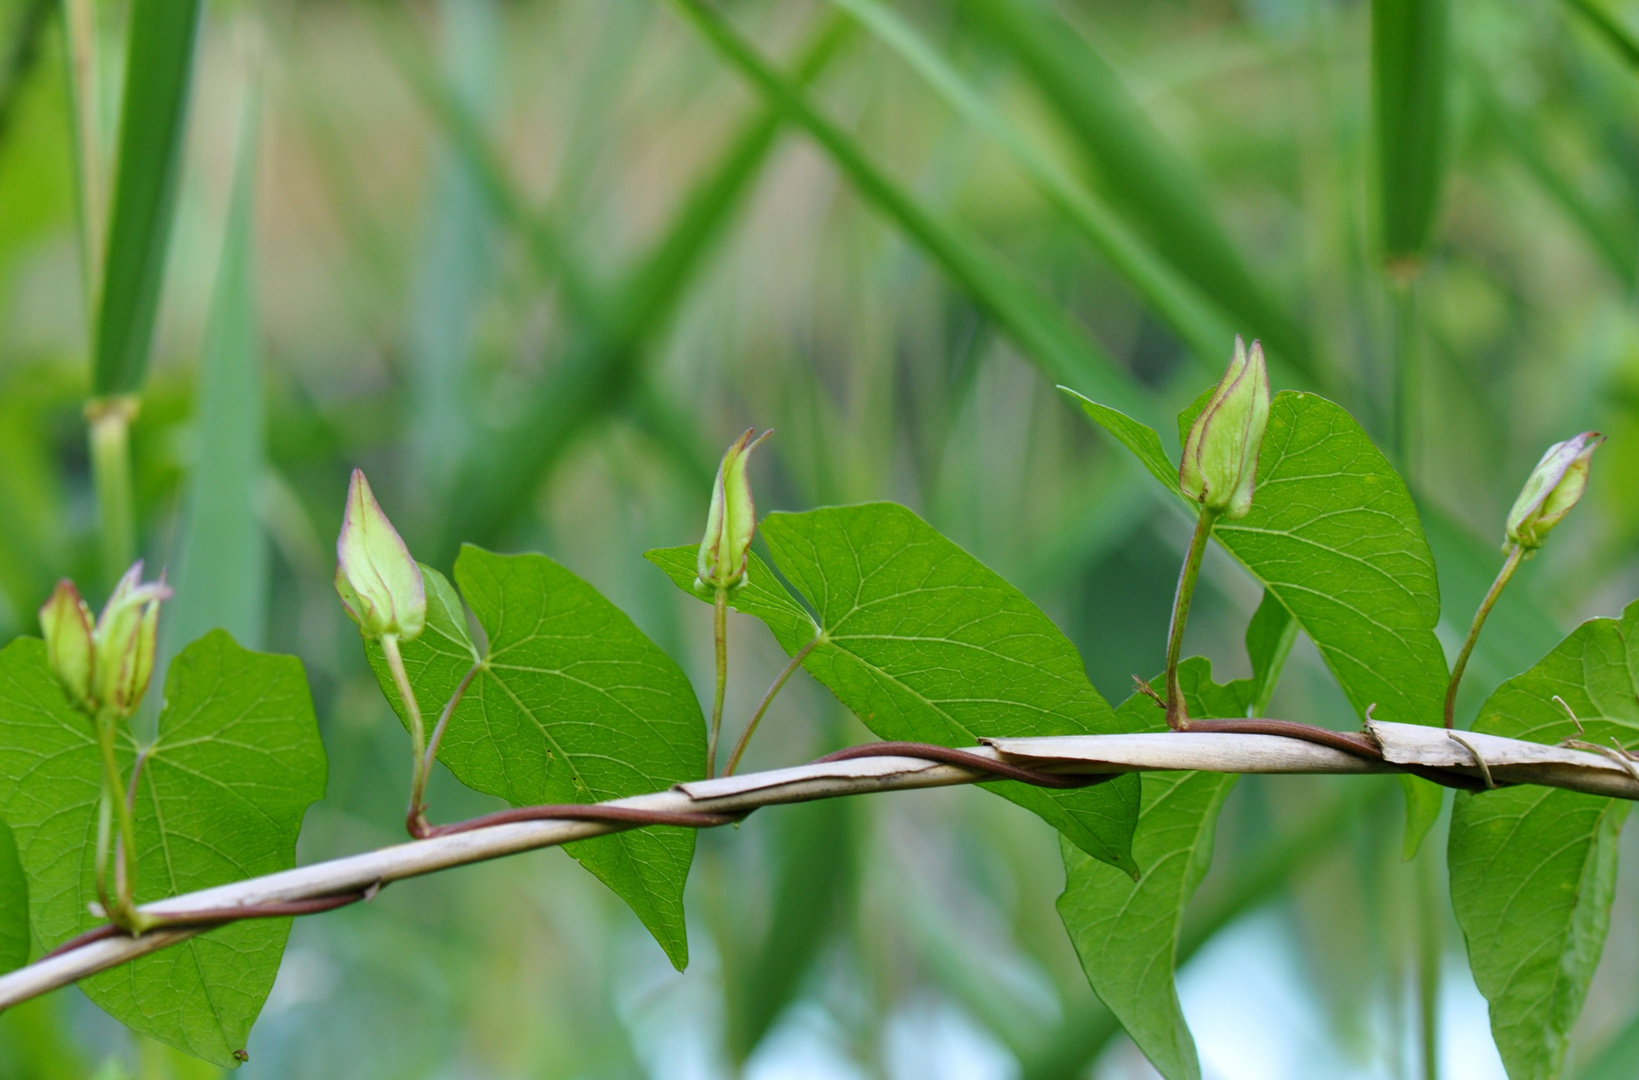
x: 596, y: 739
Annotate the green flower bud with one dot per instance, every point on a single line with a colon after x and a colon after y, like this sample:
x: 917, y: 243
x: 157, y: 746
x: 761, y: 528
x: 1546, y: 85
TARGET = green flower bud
x: 126, y: 639
x: 1220, y: 463
x: 66, y: 625
x: 732, y: 518
x: 1555, y: 485
x: 377, y: 580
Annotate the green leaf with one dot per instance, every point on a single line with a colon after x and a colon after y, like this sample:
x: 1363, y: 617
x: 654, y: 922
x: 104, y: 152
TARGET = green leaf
x: 1409, y: 71
x: 14, y: 935
x: 236, y: 763
x: 572, y: 704
x: 1126, y: 931
x: 813, y: 881
x: 1533, y: 869
x: 153, y: 120
x: 760, y: 595
x: 221, y: 578
x: 1269, y: 638
x: 923, y: 642
x: 1141, y: 439
x: 1334, y: 536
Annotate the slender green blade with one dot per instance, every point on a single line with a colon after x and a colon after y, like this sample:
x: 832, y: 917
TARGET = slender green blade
x: 1160, y: 190
x: 813, y: 879
x: 221, y: 578
x: 1615, y: 1062
x: 924, y: 642
x: 1195, y: 319
x: 14, y: 935
x: 1410, y: 69
x: 572, y: 704
x: 1609, y: 27
x: 1126, y: 931
x: 606, y: 363
x: 153, y: 120
x: 1533, y: 870
x: 1063, y: 349
x: 221, y: 798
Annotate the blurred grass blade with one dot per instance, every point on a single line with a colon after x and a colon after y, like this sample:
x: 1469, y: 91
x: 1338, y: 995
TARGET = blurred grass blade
x: 1608, y: 26
x: 1061, y: 348
x: 456, y: 265
x: 1409, y: 73
x: 28, y: 27
x: 1083, y: 1036
x: 1615, y: 1062
x: 1614, y: 237
x: 153, y: 118
x: 603, y: 364
x: 1138, y: 167
x: 221, y: 578
x: 1193, y: 318
x: 813, y: 883
x: 465, y: 131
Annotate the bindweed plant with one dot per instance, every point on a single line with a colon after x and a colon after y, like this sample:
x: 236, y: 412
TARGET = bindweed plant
x: 159, y: 871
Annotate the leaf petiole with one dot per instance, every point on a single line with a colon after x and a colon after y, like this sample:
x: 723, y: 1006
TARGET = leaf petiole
x: 768, y: 698
x: 416, y: 821
x: 1516, y: 555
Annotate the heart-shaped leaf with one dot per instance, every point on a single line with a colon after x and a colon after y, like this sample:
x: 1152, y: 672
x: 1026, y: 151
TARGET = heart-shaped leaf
x: 924, y: 642
x: 1533, y: 869
x: 1126, y: 931
x: 1334, y: 536
x: 235, y: 765
x: 571, y: 704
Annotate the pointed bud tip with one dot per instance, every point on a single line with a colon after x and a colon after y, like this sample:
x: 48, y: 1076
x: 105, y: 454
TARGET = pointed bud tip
x: 731, y: 519
x: 376, y: 577
x: 1554, y: 487
x: 1220, y: 460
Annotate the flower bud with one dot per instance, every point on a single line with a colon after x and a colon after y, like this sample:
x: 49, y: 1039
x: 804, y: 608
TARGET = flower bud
x: 1555, y: 485
x: 126, y: 638
x: 732, y: 518
x: 379, y: 583
x: 66, y: 625
x: 1220, y: 463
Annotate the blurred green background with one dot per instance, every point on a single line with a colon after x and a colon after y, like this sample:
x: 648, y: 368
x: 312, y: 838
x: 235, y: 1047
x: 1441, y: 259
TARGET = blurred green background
x: 533, y: 263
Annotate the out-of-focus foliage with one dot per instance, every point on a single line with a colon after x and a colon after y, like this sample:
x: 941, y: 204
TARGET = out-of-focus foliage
x: 530, y: 263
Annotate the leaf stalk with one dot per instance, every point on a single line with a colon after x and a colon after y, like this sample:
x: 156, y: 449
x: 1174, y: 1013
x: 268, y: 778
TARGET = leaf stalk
x: 768, y: 698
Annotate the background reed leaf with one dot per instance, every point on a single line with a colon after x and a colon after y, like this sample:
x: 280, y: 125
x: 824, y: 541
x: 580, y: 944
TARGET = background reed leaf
x: 1410, y: 72
x: 221, y: 572
x: 1137, y: 167
x: 153, y: 119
